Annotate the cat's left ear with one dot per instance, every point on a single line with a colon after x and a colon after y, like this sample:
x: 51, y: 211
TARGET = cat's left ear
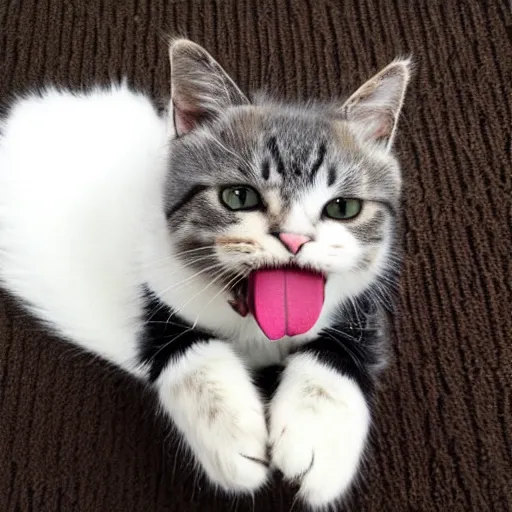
x: 200, y: 89
x: 375, y: 107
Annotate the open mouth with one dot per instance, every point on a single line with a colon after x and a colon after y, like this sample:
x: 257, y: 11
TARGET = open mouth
x: 285, y: 301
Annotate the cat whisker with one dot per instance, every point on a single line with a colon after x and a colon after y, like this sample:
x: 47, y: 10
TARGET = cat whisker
x: 197, y: 274
x: 345, y: 335
x: 231, y: 283
x: 165, y: 323
x: 172, y: 257
x: 178, y: 285
x: 239, y: 158
x: 181, y: 268
x: 226, y: 149
x: 195, y: 323
x: 196, y: 249
x: 171, y: 341
x: 352, y: 303
x: 354, y: 327
x: 383, y: 278
x: 382, y: 295
x: 355, y: 357
x: 212, y: 282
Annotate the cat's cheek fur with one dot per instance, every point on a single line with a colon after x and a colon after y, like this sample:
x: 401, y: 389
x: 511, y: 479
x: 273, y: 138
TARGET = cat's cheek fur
x: 319, y: 421
x: 210, y: 396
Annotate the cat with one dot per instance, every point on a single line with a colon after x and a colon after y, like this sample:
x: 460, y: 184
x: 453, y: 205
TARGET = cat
x: 194, y: 247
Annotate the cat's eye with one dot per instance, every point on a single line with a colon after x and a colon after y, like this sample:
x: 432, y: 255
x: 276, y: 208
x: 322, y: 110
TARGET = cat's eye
x: 240, y: 198
x: 343, y: 209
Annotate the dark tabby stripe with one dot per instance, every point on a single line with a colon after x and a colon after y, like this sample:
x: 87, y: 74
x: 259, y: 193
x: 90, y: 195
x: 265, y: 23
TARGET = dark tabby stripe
x: 242, y: 169
x: 331, y: 178
x: 197, y: 189
x: 265, y: 169
x: 274, y: 151
x: 296, y: 168
x: 318, y: 162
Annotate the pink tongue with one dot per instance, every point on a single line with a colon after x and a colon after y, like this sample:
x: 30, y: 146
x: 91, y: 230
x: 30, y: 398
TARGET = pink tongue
x: 285, y: 302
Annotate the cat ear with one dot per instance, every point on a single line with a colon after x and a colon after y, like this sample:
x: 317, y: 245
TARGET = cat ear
x: 200, y: 89
x: 375, y: 107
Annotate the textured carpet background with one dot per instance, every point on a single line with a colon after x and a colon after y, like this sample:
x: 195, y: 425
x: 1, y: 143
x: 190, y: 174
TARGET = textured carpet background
x: 76, y: 435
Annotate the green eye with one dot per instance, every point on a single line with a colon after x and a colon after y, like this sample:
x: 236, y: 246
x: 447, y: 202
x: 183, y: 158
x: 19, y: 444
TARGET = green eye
x: 343, y: 209
x: 240, y: 198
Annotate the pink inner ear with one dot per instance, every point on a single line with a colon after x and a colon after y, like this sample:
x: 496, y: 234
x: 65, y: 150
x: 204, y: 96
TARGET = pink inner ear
x: 185, y: 120
x: 384, y: 129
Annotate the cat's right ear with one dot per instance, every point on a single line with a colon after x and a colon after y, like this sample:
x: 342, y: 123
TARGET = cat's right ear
x: 200, y: 89
x: 375, y: 107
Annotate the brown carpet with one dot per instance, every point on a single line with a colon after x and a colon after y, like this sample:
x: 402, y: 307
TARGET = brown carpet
x: 75, y: 435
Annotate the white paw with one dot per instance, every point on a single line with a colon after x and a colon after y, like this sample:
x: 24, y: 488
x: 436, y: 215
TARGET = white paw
x: 319, y: 421
x: 217, y: 409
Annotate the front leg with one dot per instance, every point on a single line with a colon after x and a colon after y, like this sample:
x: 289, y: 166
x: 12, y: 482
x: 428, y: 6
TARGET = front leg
x: 209, y: 394
x: 319, y: 420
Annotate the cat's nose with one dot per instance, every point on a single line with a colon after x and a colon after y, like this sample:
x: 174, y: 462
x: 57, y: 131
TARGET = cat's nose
x: 293, y: 241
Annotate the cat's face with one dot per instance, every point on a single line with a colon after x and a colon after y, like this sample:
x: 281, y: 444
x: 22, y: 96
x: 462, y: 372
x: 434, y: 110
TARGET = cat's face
x: 270, y: 185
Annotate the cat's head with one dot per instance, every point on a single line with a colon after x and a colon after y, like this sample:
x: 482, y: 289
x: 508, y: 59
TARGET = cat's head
x: 265, y: 184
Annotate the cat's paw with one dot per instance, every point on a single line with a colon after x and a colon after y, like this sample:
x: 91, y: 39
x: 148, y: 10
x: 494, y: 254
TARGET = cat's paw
x: 319, y: 421
x: 216, y: 407
x: 232, y: 445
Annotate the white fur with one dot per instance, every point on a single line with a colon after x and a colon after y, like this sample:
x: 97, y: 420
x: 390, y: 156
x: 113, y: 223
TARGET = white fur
x: 319, y: 421
x: 78, y: 176
x: 214, y: 404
